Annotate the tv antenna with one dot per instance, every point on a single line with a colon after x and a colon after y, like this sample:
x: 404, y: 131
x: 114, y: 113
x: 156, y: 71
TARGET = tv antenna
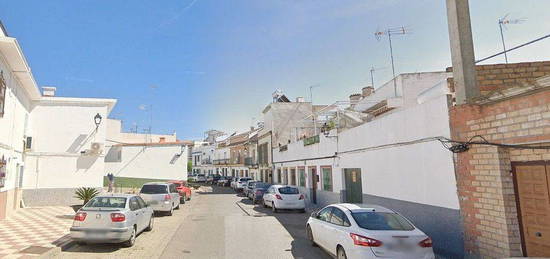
x: 372, y: 70
x: 502, y: 22
x: 390, y: 32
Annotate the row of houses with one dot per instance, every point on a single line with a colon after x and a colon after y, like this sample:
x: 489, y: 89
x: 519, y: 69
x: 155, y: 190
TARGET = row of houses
x: 391, y: 146
x: 51, y: 145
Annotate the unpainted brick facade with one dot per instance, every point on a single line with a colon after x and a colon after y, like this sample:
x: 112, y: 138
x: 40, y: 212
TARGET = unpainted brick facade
x: 485, y: 182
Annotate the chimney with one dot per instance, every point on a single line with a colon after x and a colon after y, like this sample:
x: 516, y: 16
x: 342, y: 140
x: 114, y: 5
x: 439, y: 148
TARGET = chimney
x: 300, y: 99
x: 251, y: 128
x: 366, y: 91
x: 162, y: 139
x: 48, y: 91
x: 353, y: 99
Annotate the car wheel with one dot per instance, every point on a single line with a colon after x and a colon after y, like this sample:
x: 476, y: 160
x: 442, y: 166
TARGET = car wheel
x: 273, y: 207
x: 310, y: 236
x: 169, y: 213
x: 183, y: 199
x: 189, y: 198
x: 340, y: 253
x: 178, y: 206
x: 265, y: 205
x: 132, y: 239
x: 303, y: 211
x: 150, y: 226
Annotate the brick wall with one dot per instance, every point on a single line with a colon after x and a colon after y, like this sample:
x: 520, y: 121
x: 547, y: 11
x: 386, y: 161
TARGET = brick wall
x: 485, y: 184
x: 501, y: 76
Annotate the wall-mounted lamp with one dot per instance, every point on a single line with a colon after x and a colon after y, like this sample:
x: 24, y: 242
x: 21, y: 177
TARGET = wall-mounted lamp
x: 97, y: 120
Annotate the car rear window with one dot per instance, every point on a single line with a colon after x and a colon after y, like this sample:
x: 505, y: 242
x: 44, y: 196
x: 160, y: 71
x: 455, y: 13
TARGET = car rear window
x: 262, y: 185
x: 154, y: 189
x: 244, y: 179
x: 107, y: 202
x: 177, y: 184
x: 381, y: 221
x: 288, y: 190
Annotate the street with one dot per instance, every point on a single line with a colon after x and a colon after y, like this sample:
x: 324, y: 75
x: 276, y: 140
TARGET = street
x: 216, y: 223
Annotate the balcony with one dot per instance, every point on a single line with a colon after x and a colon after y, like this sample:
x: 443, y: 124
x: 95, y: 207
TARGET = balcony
x: 250, y: 161
x: 207, y: 161
x: 221, y: 161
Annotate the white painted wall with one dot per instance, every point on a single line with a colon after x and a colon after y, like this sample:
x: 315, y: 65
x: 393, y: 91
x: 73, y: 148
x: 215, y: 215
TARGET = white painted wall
x: 13, y: 125
x: 61, y: 129
x: 421, y: 173
x: 116, y: 136
x: 150, y: 162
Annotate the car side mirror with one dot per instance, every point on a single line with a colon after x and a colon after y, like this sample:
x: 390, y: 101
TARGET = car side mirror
x: 315, y: 214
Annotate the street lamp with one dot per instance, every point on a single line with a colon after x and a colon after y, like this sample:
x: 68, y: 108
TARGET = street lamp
x: 97, y: 120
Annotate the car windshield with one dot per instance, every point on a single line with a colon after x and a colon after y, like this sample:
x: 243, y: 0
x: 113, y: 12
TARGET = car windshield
x: 106, y: 202
x: 154, y: 189
x: 381, y: 221
x: 288, y: 190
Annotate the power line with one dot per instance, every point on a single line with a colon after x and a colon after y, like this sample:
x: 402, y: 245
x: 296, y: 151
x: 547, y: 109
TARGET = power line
x: 514, y: 48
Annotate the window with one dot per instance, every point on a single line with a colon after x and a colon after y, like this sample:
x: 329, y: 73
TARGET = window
x: 107, y: 202
x: 292, y: 176
x: 155, y: 189
x: 327, y: 178
x: 141, y: 202
x: 2, y: 94
x: 302, y: 175
x: 288, y: 190
x: 339, y: 218
x: 381, y: 221
x: 134, y: 204
x: 325, y: 214
x: 172, y: 188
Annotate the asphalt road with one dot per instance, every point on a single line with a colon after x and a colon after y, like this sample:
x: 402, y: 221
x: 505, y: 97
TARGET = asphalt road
x: 216, y: 223
x: 225, y: 225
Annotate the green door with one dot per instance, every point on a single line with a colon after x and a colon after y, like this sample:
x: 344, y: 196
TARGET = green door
x: 354, y: 188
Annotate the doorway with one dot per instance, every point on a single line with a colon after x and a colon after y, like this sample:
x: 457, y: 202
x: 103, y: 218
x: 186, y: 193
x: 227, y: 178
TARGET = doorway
x: 532, y: 182
x: 314, y: 181
x: 354, y: 187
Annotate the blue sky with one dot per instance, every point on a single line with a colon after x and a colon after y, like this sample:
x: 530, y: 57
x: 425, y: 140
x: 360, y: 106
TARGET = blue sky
x: 206, y: 64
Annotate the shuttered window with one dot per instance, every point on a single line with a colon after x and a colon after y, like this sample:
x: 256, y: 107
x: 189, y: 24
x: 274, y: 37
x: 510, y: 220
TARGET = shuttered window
x: 327, y: 178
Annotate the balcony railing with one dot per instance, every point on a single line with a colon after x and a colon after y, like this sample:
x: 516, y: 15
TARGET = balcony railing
x: 221, y: 161
x: 250, y: 161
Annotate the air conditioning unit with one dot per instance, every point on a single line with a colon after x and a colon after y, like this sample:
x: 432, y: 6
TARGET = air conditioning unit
x: 95, y: 148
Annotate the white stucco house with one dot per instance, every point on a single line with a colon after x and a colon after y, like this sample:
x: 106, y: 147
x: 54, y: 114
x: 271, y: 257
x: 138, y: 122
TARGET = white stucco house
x: 51, y: 145
x: 388, y: 159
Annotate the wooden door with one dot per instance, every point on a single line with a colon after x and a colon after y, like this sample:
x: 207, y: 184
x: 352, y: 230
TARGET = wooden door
x: 354, y: 187
x: 532, y: 182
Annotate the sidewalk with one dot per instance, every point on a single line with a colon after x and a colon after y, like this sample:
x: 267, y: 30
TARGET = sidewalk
x: 34, y: 231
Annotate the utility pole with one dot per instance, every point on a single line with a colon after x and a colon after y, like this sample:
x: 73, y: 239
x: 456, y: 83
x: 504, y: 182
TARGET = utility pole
x: 390, y: 32
x: 462, y: 51
x: 312, y: 110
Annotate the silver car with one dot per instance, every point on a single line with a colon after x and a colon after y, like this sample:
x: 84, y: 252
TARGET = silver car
x: 162, y: 197
x: 116, y: 218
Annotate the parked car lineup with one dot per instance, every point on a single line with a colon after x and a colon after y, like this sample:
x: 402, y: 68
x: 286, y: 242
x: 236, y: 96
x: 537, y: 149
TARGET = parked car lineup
x: 343, y: 230
x: 119, y: 218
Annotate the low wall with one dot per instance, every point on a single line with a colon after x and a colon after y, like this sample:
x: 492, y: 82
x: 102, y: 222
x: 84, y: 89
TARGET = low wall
x: 50, y: 197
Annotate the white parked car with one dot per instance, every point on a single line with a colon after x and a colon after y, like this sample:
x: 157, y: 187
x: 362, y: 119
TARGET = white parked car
x: 163, y: 197
x: 241, y: 183
x: 201, y: 178
x: 367, y: 231
x: 116, y: 218
x: 284, y: 197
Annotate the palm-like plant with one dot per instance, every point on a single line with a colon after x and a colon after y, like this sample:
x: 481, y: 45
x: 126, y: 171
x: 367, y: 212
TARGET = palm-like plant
x: 86, y: 194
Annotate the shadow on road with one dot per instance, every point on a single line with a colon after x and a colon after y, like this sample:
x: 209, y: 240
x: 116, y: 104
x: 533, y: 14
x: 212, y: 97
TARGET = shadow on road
x: 292, y: 220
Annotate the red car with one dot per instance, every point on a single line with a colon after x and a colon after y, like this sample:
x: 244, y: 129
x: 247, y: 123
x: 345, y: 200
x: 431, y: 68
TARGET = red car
x: 184, y: 191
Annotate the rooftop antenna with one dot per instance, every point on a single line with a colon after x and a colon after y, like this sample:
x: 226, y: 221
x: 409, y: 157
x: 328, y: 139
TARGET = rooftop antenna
x: 502, y: 22
x: 372, y: 69
x: 390, y: 32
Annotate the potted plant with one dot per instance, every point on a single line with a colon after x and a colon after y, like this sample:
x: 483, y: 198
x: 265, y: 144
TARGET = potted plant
x: 85, y: 194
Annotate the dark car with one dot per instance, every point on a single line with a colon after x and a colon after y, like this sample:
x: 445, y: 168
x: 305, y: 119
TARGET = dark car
x: 213, y: 179
x: 257, y: 194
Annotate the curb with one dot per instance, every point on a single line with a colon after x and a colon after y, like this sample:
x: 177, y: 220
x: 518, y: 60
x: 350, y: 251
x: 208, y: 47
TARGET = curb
x: 54, y: 252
